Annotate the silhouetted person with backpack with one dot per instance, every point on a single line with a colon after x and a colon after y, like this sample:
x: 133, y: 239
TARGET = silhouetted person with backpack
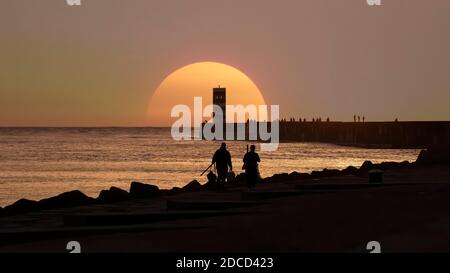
x: 222, y: 159
x: 251, y: 160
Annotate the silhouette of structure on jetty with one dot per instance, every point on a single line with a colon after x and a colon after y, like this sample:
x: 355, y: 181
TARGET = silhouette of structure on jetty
x: 220, y: 99
x: 414, y: 134
x: 387, y: 134
x: 401, y: 135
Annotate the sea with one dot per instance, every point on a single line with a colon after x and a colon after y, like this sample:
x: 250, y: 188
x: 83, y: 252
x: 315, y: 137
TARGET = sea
x: 37, y: 163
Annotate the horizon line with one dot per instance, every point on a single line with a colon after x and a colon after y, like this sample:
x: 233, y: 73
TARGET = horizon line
x: 164, y: 127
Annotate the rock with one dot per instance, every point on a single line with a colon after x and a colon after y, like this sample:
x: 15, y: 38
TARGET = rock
x: 21, y: 206
x: 113, y: 195
x: 376, y: 176
x: 331, y: 173
x: 366, y: 166
x: 141, y: 190
x: 175, y: 190
x: 279, y: 177
x: 384, y: 166
x: 388, y: 165
x: 325, y: 173
x: 164, y: 192
x: 66, y: 200
x: 350, y: 170
x: 1, y: 211
x: 210, y: 185
x: 423, y: 158
x: 194, y: 185
x: 405, y: 164
x: 299, y: 176
x: 240, y: 178
x: 439, y: 155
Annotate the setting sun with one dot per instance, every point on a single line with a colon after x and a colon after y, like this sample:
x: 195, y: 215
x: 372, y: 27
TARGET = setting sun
x: 198, y: 80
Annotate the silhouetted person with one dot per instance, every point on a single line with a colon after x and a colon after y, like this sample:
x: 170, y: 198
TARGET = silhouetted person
x: 251, y: 160
x: 354, y: 118
x: 364, y: 119
x: 222, y: 159
x: 328, y: 119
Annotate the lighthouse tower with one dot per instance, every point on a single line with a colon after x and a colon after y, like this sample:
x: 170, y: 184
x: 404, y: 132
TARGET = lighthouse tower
x: 220, y: 99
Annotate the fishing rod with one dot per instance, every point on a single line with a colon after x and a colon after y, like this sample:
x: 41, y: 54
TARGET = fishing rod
x: 207, y: 169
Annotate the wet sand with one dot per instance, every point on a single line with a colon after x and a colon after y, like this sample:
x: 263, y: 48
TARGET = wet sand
x: 409, y: 212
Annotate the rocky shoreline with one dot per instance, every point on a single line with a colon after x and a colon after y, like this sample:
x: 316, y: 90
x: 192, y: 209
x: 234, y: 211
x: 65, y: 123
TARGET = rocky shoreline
x: 140, y: 190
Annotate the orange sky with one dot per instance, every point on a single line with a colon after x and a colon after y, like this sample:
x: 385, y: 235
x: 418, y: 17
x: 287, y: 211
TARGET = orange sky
x: 99, y: 64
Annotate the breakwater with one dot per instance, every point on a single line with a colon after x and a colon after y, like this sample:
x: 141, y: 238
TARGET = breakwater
x: 378, y: 134
x: 397, y: 135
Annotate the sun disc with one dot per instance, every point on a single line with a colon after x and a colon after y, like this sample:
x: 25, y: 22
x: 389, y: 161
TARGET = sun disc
x: 198, y: 80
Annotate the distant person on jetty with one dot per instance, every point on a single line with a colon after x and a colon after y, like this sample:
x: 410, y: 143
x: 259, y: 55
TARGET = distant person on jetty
x: 222, y: 159
x: 251, y: 160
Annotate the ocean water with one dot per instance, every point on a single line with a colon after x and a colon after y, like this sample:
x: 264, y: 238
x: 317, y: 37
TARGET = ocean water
x: 37, y: 163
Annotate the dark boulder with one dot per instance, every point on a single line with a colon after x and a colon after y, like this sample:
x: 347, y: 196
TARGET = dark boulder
x: 21, y: 206
x: 175, y: 190
x: 388, y: 165
x: 350, y: 170
x: 366, y: 166
x: 165, y: 192
x: 194, y: 185
x: 423, y: 158
x: 430, y: 156
x: 405, y: 164
x: 331, y: 173
x: 384, y: 166
x: 279, y: 177
x: 113, y: 195
x: 141, y: 190
x: 299, y: 176
x: 376, y: 176
x: 325, y: 173
x: 66, y: 200
x: 240, y: 178
x: 211, y: 185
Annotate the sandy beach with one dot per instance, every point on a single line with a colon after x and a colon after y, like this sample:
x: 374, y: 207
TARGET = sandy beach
x: 408, y: 212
